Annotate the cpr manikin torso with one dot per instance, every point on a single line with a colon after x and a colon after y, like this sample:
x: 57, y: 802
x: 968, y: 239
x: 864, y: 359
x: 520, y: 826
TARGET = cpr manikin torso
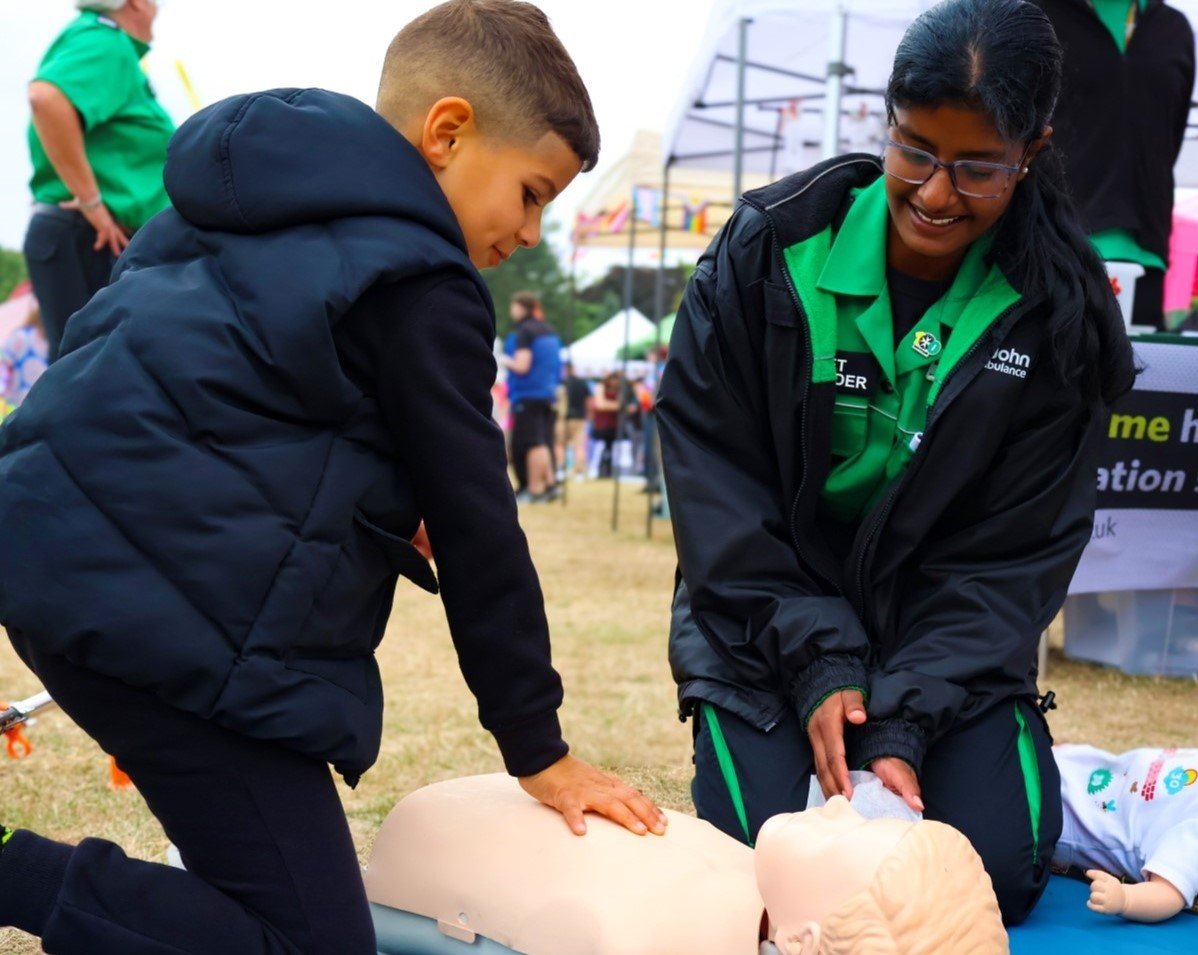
x: 481, y: 848
x: 480, y: 856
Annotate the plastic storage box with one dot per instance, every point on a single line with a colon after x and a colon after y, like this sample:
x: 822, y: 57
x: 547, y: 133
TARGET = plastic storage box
x: 1152, y: 632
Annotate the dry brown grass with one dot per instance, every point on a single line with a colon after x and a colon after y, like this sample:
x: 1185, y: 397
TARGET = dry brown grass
x: 607, y: 599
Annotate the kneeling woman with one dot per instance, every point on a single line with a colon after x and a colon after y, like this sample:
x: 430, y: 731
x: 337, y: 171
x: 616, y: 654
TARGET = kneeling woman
x: 886, y: 387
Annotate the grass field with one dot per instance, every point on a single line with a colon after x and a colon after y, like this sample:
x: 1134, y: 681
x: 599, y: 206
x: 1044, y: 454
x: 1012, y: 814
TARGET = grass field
x: 607, y: 598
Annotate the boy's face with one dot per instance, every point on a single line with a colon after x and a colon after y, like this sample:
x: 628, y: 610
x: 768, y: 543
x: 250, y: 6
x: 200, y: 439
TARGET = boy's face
x: 497, y: 189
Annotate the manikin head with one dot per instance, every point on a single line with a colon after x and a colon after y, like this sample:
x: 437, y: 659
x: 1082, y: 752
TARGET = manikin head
x: 834, y: 882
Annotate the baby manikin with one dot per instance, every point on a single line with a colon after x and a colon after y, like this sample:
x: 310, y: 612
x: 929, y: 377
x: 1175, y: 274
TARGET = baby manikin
x: 482, y: 858
x: 1134, y: 815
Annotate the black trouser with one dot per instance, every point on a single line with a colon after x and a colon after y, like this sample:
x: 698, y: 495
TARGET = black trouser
x: 271, y: 865
x: 1149, y: 306
x: 64, y: 268
x: 606, y: 437
x: 972, y: 778
x: 533, y: 424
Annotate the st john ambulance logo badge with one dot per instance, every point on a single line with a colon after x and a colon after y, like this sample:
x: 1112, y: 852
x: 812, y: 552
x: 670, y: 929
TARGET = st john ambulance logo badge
x: 926, y: 344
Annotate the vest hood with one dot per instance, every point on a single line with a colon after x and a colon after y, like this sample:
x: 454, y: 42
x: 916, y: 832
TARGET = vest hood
x: 277, y: 159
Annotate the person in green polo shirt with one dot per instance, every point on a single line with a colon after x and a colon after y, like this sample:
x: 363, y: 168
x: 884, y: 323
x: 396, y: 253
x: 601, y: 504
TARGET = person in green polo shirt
x: 1121, y: 121
x: 97, y: 142
x: 887, y: 385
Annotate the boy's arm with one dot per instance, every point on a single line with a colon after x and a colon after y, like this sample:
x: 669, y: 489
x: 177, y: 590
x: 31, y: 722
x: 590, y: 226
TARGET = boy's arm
x: 1152, y: 901
x: 435, y: 374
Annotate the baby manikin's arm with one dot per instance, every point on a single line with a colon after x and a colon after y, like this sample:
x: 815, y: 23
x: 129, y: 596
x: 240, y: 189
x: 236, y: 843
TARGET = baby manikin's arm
x: 1152, y: 901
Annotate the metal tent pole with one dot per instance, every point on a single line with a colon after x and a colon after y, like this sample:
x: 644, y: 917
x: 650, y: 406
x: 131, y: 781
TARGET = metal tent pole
x: 570, y: 303
x: 741, y: 60
x: 659, y: 307
x: 837, y: 70
x: 615, y: 453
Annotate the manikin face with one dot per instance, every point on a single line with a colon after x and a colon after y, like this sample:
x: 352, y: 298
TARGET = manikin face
x: 931, y: 249
x: 810, y: 863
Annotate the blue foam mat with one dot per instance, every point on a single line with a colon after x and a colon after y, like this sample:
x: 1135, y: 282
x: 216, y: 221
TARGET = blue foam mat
x: 1060, y: 925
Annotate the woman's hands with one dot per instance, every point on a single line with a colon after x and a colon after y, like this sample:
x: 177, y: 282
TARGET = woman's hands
x: 572, y: 787
x: 898, y: 776
x: 826, y: 732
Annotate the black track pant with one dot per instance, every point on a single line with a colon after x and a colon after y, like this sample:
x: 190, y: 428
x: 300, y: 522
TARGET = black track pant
x: 973, y: 778
x: 271, y: 865
x: 64, y: 268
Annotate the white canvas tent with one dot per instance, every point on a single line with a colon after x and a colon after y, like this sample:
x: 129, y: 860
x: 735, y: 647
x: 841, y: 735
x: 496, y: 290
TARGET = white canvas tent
x: 791, y: 63
x: 599, y: 351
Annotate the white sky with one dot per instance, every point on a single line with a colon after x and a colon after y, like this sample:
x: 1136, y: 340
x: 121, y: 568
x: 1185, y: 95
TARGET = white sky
x: 633, y: 55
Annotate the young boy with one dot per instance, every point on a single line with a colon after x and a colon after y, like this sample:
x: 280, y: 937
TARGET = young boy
x: 205, y: 504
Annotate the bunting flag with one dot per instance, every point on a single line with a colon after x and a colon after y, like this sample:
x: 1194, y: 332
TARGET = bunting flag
x: 616, y: 220
x: 694, y: 217
x: 647, y: 204
x: 586, y: 226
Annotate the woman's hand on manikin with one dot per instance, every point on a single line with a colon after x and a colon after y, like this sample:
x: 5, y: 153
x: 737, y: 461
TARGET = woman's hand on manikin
x: 825, y: 729
x: 898, y: 776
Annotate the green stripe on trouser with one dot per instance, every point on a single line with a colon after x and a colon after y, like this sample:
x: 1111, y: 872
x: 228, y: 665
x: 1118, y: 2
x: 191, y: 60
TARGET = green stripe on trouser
x: 723, y: 756
x: 1030, y: 766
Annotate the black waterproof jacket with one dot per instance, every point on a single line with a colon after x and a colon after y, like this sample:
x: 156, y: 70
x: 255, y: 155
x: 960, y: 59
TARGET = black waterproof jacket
x: 940, y: 605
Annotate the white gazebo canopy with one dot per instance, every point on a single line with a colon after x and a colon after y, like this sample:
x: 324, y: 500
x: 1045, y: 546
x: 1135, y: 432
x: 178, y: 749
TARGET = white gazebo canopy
x: 599, y: 351
x: 788, y: 47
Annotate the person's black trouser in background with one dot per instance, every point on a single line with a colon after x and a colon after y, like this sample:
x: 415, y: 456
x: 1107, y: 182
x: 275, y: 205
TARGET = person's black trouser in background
x: 972, y: 779
x: 533, y: 423
x: 1149, y: 306
x: 271, y: 864
x: 607, y: 438
x: 64, y: 268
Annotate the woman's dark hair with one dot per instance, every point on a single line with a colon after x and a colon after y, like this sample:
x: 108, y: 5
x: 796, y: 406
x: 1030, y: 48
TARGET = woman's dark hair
x: 1003, y: 58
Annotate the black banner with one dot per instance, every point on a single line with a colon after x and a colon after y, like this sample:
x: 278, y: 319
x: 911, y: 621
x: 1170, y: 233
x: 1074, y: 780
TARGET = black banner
x: 1150, y: 457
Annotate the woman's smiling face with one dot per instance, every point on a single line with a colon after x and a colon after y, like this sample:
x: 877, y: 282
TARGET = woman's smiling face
x: 932, y: 225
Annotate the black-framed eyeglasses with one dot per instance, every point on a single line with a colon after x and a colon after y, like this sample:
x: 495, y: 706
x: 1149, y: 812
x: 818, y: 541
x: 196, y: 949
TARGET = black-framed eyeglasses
x: 970, y: 177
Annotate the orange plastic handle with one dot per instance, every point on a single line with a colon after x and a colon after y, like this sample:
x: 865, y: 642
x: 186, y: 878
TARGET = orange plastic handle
x: 16, y: 742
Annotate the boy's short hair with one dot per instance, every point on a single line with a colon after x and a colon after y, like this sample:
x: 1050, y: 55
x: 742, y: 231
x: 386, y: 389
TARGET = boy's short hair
x: 504, y: 58
x: 527, y: 301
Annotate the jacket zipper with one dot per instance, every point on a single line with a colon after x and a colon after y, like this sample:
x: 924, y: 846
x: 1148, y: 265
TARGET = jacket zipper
x: 810, y: 358
x: 810, y: 361
x: 883, y: 510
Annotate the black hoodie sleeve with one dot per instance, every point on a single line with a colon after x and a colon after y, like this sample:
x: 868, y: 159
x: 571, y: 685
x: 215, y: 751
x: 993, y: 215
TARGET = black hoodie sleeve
x: 436, y: 368
x: 750, y: 596
x: 988, y: 582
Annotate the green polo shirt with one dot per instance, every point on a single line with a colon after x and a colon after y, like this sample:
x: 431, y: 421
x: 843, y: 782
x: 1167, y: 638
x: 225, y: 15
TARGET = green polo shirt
x: 883, y: 392
x: 1114, y: 15
x: 97, y: 66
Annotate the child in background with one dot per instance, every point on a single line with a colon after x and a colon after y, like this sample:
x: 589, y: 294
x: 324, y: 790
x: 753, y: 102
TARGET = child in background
x: 1133, y: 816
x: 23, y: 358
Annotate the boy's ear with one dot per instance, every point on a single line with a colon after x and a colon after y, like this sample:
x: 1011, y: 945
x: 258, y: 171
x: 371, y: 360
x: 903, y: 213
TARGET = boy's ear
x: 447, y: 121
